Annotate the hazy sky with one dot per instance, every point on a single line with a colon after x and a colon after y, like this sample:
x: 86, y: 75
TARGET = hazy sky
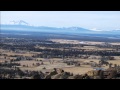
x: 100, y: 20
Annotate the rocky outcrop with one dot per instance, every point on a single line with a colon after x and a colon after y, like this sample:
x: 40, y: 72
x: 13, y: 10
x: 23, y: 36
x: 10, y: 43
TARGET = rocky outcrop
x: 48, y: 76
x: 93, y: 74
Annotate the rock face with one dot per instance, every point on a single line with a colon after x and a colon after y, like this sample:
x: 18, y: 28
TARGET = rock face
x: 59, y: 71
x: 110, y: 73
x: 71, y: 77
x: 57, y: 76
x: 65, y: 75
x: 61, y: 75
x: 94, y: 74
x: 49, y: 75
x: 96, y: 77
x: 77, y: 77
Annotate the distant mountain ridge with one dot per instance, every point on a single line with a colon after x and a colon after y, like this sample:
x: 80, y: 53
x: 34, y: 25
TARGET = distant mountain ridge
x: 3, y: 26
x: 74, y: 30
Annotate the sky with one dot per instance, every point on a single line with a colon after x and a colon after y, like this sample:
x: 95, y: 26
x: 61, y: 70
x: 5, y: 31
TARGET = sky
x: 94, y: 20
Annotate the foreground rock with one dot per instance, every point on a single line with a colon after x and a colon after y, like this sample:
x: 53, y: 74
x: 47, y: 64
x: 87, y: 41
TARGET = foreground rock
x: 50, y: 74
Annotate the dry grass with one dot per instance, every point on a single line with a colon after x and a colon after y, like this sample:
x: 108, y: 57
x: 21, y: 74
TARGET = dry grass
x: 78, y: 70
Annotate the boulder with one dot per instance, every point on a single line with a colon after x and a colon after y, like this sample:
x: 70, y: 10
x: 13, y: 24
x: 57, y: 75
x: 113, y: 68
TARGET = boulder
x: 96, y: 73
x: 112, y: 74
x: 90, y: 73
x: 96, y: 77
x: 64, y: 75
x: 59, y: 71
x: 77, y: 77
x: 48, y: 76
x: 57, y: 76
x: 71, y: 77
x: 93, y: 73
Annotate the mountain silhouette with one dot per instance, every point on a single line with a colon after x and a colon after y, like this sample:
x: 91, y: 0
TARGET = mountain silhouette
x: 22, y: 25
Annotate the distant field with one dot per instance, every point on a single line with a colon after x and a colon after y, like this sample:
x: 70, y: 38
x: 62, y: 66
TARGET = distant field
x: 81, y: 42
